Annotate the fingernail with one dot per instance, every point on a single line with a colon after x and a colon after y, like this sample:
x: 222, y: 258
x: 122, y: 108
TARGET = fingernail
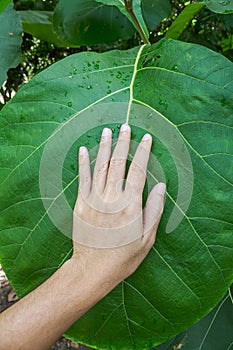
x: 82, y: 151
x: 161, y: 188
x: 125, y: 127
x: 106, y: 132
x: 146, y: 137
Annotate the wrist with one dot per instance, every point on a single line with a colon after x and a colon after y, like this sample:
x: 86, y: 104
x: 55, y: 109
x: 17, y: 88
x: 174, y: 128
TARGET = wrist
x: 88, y: 279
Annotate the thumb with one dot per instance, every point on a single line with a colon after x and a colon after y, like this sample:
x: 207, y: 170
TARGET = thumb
x: 154, y: 209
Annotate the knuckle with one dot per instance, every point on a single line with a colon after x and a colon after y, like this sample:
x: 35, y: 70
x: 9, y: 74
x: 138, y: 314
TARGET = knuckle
x: 86, y: 179
x: 137, y: 168
x: 117, y: 162
x: 102, y: 169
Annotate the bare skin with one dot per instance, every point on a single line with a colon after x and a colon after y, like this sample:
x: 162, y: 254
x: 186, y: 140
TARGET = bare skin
x: 103, y: 205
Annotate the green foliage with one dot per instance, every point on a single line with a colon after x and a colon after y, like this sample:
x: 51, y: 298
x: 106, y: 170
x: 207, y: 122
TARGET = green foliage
x: 87, y: 22
x: 40, y: 25
x: 10, y: 41
x: 220, y: 6
x: 4, y: 4
x: 136, y: 6
x: 155, y: 11
x: 208, y: 29
x: 188, y: 270
x: 183, y: 20
x: 214, y: 332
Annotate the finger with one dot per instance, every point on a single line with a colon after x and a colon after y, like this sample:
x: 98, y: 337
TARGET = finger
x: 153, y: 211
x: 137, y: 172
x: 116, y: 171
x: 102, y: 161
x: 84, y: 172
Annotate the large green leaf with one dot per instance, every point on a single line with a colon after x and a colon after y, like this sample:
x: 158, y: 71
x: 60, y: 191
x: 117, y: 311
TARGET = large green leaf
x: 220, y: 6
x: 40, y: 25
x: 182, y: 94
x: 10, y: 41
x: 87, y: 22
x: 213, y: 332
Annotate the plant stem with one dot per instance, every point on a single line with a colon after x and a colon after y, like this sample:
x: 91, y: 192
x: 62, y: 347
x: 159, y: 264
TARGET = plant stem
x: 129, y: 9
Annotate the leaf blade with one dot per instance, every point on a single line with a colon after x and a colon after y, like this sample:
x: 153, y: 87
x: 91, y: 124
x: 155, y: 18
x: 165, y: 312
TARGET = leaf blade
x: 4, y: 4
x: 205, y: 334
x: 136, y: 6
x: 155, y: 11
x: 89, y: 22
x: 183, y: 20
x: 10, y: 37
x: 39, y: 24
x: 222, y: 6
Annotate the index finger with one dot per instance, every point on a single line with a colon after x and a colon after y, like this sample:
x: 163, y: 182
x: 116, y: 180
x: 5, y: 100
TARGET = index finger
x: 137, y: 172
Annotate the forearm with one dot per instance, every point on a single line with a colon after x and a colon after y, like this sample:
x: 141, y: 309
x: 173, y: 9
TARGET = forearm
x: 40, y: 318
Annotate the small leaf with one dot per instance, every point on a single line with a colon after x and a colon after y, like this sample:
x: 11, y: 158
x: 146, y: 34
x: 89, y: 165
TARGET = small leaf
x: 227, y: 43
x: 10, y: 41
x: 87, y: 22
x: 183, y: 20
x: 39, y: 24
x: 220, y: 6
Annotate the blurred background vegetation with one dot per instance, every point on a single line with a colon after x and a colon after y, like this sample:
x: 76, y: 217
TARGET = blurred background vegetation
x: 212, y: 30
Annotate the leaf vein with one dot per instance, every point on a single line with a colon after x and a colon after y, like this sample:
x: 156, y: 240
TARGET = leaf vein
x: 62, y: 125
x: 185, y: 75
x: 125, y: 312
x: 149, y: 303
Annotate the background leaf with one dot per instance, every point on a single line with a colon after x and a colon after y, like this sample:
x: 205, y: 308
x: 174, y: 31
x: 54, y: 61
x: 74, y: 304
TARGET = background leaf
x: 183, y: 20
x: 4, y: 4
x: 87, y: 22
x: 39, y: 24
x: 155, y: 11
x: 173, y: 94
x: 10, y: 41
x: 220, y: 6
x: 136, y: 9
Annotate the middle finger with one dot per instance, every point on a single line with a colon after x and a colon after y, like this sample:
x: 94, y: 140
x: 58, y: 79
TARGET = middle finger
x: 116, y: 171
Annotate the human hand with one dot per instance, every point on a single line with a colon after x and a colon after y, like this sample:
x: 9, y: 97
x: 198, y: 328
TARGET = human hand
x: 111, y: 233
x: 111, y: 237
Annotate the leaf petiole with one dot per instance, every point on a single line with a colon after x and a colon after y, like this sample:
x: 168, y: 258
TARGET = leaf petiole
x: 129, y: 9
